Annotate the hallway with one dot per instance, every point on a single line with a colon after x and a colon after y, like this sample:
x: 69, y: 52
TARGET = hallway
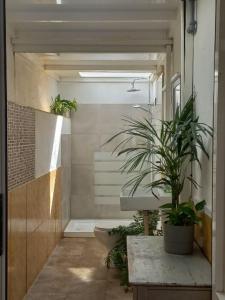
x: 76, y: 270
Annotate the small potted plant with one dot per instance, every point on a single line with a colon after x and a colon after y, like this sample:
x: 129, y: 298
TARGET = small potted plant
x: 166, y: 153
x: 179, y: 226
x: 62, y: 107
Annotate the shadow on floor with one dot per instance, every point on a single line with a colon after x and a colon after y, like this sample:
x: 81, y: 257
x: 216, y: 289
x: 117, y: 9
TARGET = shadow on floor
x: 76, y: 270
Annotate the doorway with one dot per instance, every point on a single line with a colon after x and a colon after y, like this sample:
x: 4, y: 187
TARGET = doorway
x: 3, y: 155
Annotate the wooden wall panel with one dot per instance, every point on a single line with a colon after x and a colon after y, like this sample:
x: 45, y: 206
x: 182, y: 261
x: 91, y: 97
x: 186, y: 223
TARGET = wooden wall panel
x: 35, y: 220
x: 37, y: 253
x: 203, y: 236
x: 17, y: 243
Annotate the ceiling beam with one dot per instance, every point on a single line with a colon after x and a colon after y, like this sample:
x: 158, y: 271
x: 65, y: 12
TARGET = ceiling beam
x: 156, y: 37
x: 111, y: 67
x: 94, y: 5
x: 65, y: 14
x: 151, y: 41
x: 72, y: 48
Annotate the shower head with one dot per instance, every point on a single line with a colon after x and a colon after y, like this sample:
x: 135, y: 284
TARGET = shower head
x: 133, y: 89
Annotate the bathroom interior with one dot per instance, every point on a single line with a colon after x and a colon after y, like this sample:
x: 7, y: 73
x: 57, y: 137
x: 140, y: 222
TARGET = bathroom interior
x: 64, y: 180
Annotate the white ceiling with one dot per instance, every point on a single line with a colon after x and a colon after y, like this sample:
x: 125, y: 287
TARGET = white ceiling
x: 66, y: 66
x: 91, y: 25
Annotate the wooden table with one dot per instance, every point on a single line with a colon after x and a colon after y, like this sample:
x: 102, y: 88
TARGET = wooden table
x: 157, y: 275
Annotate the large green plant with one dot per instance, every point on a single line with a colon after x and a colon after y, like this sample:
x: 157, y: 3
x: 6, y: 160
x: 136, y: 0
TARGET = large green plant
x: 118, y: 254
x: 166, y: 152
x: 185, y: 214
x: 60, y: 106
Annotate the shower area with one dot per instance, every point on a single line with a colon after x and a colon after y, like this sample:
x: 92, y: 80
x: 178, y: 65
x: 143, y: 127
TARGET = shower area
x: 104, y: 100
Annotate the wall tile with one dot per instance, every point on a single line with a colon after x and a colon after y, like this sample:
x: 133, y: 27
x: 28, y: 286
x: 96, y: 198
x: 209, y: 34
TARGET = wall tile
x: 203, y: 235
x: 37, y: 202
x: 83, y: 148
x: 88, y: 136
x: 66, y: 178
x: 37, y: 254
x: 17, y: 243
x: 58, y: 207
x: 83, y: 179
x: 35, y: 227
x: 85, y: 119
x: 21, y: 144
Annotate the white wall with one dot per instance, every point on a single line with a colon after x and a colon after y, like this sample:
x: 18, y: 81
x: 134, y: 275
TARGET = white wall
x: 200, y: 75
x: 104, y: 92
x: 176, y: 35
x: 204, y: 89
x: 48, y: 131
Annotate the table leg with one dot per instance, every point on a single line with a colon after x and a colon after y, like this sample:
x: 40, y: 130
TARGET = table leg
x: 146, y: 222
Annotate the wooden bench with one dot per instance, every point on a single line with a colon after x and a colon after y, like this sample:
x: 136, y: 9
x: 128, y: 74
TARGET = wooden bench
x: 157, y: 275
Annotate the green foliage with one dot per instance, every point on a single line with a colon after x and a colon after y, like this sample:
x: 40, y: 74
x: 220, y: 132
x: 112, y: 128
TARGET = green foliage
x: 184, y: 214
x: 118, y: 255
x: 167, y: 152
x: 60, y: 106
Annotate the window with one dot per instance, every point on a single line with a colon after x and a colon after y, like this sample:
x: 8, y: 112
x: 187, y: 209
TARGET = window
x: 176, y: 93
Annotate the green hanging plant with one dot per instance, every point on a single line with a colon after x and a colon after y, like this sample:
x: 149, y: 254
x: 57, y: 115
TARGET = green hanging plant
x: 60, y: 106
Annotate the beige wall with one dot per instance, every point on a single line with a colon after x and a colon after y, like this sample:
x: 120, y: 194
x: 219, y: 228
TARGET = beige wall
x: 33, y: 86
x: 28, y: 83
x: 96, y: 178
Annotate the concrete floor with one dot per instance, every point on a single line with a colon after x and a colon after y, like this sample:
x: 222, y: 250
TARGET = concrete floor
x: 76, y: 270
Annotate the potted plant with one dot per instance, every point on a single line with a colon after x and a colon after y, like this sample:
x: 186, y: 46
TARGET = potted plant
x: 61, y: 106
x: 179, y: 226
x: 166, y: 153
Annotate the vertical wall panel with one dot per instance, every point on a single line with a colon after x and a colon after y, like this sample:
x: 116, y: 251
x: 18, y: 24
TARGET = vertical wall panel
x: 35, y: 227
x: 17, y: 243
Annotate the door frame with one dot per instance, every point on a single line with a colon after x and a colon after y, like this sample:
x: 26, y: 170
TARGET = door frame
x: 3, y: 155
x: 219, y: 197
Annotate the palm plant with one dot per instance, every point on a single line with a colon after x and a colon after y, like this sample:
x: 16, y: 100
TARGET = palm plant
x: 166, y: 152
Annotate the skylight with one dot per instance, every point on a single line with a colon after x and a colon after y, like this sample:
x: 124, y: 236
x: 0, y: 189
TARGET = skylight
x: 144, y: 75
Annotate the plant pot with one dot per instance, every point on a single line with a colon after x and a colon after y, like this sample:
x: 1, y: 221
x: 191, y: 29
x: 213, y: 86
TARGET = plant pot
x: 66, y: 114
x: 178, y: 239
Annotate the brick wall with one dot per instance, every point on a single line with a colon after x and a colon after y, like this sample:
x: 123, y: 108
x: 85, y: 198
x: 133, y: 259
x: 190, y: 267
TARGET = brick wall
x: 21, y: 144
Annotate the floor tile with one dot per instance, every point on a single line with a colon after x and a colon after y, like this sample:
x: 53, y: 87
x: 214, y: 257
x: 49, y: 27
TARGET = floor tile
x: 76, y: 270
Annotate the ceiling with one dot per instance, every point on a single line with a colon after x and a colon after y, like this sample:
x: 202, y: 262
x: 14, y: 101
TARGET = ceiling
x: 91, y: 25
x: 66, y: 66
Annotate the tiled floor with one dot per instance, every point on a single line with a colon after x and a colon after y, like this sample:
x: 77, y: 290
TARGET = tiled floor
x: 76, y: 270
x: 85, y: 228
